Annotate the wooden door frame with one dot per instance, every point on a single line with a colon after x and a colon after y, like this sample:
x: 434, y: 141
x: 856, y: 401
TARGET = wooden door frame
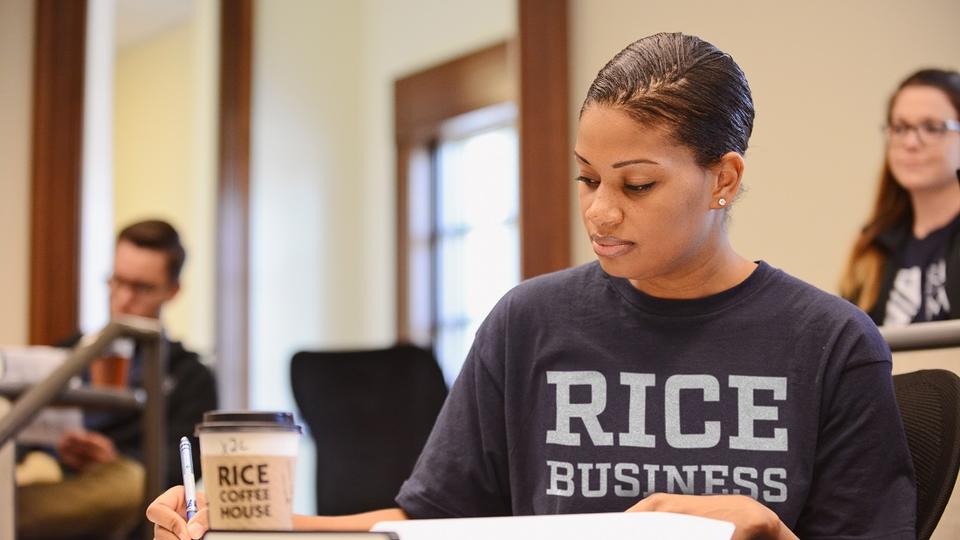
x: 233, y: 202
x: 56, y: 169
x: 545, y: 153
x: 424, y: 102
x: 532, y: 72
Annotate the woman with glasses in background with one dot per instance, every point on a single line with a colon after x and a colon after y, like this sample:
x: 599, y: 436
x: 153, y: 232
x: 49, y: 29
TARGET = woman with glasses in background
x: 905, y: 266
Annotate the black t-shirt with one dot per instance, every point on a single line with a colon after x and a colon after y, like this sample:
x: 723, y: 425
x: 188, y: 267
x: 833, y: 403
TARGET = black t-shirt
x: 918, y: 292
x: 582, y: 394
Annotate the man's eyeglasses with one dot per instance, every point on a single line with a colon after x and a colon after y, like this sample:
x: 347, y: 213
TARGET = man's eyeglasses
x: 138, y: 288
x: 927, y: 132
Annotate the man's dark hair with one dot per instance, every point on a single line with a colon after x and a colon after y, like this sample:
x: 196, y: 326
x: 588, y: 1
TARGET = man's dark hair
x: 684, y: 84
x: 158, y: 235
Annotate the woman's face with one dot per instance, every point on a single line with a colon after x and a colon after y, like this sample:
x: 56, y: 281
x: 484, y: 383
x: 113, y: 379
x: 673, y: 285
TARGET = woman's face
x: 643, y: 198
x: 920, y: 161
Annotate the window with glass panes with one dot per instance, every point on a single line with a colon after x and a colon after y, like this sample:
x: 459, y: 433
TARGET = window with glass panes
x: 476, y: 247
x: 460, y: 242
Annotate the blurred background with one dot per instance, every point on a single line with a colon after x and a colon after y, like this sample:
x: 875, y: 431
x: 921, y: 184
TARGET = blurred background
x: 349, y: 223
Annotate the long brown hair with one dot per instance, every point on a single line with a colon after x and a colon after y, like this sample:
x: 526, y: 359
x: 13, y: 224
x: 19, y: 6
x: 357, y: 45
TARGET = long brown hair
x: 861, y: 279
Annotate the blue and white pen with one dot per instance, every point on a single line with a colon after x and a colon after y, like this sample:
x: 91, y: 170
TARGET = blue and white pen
x: 189, y: 484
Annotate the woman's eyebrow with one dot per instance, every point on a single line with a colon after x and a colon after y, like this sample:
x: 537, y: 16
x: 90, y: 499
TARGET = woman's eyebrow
x: 619, y: 164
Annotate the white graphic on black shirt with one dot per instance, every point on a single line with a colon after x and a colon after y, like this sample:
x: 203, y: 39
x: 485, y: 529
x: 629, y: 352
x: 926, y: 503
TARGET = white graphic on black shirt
x: 936, y: 290
x: 905, y: 297
x: 578, y: 424
x: 911, y: 293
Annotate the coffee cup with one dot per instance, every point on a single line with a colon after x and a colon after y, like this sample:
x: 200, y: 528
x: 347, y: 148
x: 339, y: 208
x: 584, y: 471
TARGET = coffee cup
x: 248, y: 461
x: 113, y: 368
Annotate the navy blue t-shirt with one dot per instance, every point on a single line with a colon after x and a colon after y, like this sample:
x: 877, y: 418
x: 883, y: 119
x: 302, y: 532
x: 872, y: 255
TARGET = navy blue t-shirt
x: 919, y: 289
x: 582, y: 394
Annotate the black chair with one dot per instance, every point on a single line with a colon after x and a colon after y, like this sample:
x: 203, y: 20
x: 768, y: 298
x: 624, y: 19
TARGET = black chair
x: 369, y: 413
x: 929, y: 403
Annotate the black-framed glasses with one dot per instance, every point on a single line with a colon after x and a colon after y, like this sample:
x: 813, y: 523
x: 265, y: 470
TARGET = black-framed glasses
x: 138, y: 288
x: 930, y: 131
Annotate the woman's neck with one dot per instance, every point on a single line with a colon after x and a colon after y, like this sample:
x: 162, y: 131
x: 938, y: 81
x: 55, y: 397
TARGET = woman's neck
x: 934, y: 208
x: 715, y: 271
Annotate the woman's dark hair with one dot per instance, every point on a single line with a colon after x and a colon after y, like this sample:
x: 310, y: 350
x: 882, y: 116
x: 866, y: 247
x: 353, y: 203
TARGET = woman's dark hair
x: 682, y: 83
x: 158, y: 235
x: 892, y: 207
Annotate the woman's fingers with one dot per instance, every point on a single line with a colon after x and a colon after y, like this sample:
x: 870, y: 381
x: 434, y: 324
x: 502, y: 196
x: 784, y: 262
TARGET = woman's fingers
x: 200, y: 522
x: 164, y: 511
x: 159, y: 533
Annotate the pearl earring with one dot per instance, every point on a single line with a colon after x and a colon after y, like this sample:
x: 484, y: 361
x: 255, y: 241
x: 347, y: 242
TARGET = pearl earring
x: 722, y: 201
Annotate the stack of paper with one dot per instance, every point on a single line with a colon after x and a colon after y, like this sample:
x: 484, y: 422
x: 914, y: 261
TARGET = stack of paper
x: 30, y: 365
x: 295, y: 535
x: 608, y: 526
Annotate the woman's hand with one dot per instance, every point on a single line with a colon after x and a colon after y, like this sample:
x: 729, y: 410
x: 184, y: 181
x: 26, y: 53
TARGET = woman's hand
x: 167, y: 513
x: 753, y: 520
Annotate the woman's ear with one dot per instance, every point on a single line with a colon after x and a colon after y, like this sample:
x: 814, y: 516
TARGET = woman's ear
x: 728, y: 172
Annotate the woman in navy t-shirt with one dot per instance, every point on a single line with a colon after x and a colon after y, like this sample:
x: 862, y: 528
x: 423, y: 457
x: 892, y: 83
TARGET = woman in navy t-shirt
x: 672, y: 374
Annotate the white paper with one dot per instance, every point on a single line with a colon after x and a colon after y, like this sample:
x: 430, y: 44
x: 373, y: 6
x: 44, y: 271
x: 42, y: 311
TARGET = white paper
x: 608, y: 526
x: 293, y: 535
x: 31, y: 365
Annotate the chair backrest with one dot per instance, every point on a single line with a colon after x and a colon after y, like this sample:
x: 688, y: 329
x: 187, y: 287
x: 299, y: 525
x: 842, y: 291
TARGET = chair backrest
x: 929, y: 403
x: 369, y: 413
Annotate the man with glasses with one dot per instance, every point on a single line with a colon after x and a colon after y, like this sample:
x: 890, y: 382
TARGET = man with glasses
x: 101, y: 492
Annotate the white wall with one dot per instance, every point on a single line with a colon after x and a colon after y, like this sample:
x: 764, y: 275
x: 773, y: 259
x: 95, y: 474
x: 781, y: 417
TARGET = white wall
x: 305, y: 218
x: 16, y: 89
x: 322, y: 172
x: 820, y: 72
x: 96, y: 227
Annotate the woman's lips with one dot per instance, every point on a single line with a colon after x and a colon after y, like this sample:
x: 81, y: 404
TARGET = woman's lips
x: 912, y: 164
x: 610, y: 246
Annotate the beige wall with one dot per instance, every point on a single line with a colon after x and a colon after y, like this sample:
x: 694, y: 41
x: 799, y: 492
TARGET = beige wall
x: 820, y: 72
x: 165, y: 155
x: 16, y: 68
